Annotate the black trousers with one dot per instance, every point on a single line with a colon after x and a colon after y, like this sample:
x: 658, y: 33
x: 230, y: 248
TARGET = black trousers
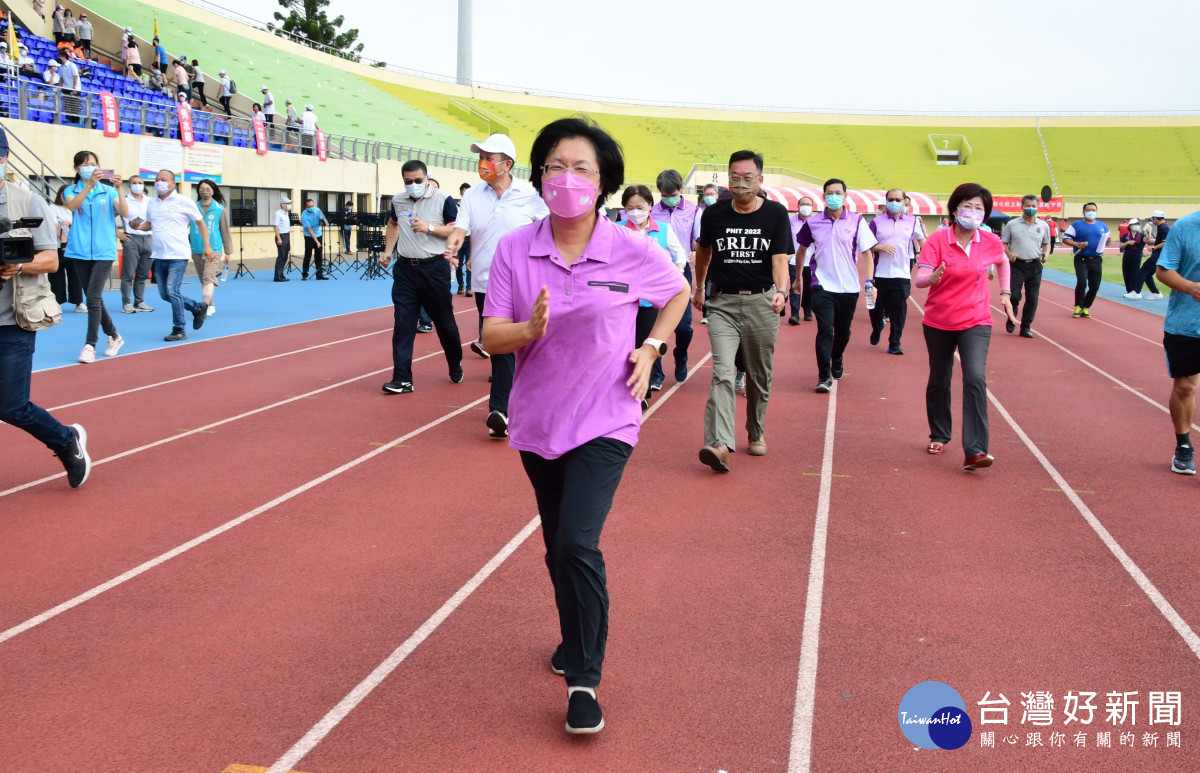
x: 834, y: 313
x: 1087, y: 280
x: 503, y: 368
x: 65, y: 282
x: 574, y: 494
x: 283, y: 250
x: 806, y: 296
x: 892, y: 300
x: 1027, y: 280
x: 198, y: 88
x: 225, y: 104
x: 311, y: 248
x: 414, y: 287
x: 1146, y: 274
x: 972, y: 345
x: 1130, y: 265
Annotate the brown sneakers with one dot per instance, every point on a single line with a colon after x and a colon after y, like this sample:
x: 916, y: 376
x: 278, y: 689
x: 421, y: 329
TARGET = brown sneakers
x: 757, y: 448
x: 716, y: 457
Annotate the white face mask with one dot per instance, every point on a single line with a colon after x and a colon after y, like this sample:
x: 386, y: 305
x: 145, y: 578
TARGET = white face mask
x: 415, y: 190
x: 638, y: 216
x: 162, y: 186
x: 805, y: 210
x: 1089, y: 216
x: 137, y: 188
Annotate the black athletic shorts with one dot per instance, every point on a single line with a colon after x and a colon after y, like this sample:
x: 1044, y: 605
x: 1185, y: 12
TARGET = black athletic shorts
x: 1183, y: 355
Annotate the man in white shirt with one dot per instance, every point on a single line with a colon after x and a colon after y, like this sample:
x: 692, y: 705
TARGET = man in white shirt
x: 268, y: 105
x: 137, y: 250
x: 51, y: 74
x: 283, y: 237
x: 170, y: 215
x: 68, y: 75
x: 308, y: 131
x: 226, y: 92
x: 83, y: 30
x: 486, y: 213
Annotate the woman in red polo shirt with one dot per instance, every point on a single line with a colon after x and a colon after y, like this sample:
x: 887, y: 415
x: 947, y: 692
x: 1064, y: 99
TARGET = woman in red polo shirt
x: 954, y: 266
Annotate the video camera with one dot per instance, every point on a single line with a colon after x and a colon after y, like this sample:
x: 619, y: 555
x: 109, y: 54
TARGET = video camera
x: 16, y: 243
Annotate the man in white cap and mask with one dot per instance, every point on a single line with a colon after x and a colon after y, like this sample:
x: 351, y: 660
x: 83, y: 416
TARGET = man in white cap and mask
x: 488, y: 212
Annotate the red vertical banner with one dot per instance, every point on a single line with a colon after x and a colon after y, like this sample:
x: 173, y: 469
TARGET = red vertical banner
x: 186, y: 137
x: 322, y: 147
x: 260, y: 137
x: 108, y: 108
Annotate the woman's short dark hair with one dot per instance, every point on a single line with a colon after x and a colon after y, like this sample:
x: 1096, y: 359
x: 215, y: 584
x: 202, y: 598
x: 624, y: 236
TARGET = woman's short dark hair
x: 637, y: 190
x: 971, y: 191
x: 216, y: 189
x: 608, y: 153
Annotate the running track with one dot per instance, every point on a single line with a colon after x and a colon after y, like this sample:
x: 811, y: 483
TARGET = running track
x: 276, y: 566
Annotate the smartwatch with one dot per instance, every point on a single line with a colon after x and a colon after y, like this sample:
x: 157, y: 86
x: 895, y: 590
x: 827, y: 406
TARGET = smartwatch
x: 659, y: 346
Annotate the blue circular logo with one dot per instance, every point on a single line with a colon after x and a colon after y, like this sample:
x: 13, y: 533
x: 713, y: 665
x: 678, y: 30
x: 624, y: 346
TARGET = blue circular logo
x: 932, y: 715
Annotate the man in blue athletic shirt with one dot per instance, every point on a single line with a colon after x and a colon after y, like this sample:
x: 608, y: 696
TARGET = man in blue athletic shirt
x: 1087, y: 238
x: 1179, y: 269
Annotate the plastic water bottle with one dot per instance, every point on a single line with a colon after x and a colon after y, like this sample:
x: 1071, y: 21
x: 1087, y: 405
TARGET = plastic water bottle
x: 870, y: 298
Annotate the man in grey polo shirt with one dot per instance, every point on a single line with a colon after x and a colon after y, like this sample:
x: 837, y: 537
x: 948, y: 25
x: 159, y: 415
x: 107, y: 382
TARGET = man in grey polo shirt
x: 1027, y: 244
x: 422, y: 217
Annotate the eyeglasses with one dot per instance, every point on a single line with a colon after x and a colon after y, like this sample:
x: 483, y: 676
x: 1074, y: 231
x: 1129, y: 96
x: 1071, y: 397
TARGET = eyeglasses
x: 733, y: 178
x: 554, y: 170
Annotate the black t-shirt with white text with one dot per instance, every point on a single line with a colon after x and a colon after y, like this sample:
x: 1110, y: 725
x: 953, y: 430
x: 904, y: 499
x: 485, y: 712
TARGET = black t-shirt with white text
x: 742, y: 244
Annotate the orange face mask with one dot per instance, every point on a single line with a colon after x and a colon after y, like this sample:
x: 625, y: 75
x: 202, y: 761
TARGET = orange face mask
x: 487, y: 170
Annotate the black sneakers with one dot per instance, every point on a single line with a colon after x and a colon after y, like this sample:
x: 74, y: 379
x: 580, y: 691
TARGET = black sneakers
x: 456, y: 375
x: 199, y: 315
x: 583, y: 713
x: 176, y: 335
x: 836, y: 370
x: 824, y: 385
x: 74, y: 457
x: 497, y: 424
x: 556, y: 661
x: 398, y: 387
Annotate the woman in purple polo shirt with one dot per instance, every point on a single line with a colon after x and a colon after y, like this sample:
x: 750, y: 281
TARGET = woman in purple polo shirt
x: 563, y: 295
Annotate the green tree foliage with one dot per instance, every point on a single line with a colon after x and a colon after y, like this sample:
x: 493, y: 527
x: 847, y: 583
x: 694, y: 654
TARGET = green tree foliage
x: 306, y: 19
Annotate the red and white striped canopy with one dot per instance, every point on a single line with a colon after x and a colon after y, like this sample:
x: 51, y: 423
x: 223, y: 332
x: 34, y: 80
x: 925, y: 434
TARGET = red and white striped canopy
x: 863, y: 202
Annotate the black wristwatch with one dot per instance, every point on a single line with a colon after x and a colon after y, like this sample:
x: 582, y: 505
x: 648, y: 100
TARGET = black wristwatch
x: 660, y: 346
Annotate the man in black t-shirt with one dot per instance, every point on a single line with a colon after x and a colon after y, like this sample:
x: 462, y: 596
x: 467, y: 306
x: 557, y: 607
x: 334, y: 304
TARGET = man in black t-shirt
x: 743, y: 252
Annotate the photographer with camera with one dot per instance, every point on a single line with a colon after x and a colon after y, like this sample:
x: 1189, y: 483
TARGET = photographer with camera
x: 24, y: 297
x: 95, y: 200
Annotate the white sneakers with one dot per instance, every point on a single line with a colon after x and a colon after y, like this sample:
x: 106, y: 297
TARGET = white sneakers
x: 88, y: 354
x: 114, y: 346
x: 212, y: 309
x: 1133, y: 296
x: 1154, y: 297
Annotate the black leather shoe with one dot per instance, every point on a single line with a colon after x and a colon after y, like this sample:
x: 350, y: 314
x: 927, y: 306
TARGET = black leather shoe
x: 1009, y: 326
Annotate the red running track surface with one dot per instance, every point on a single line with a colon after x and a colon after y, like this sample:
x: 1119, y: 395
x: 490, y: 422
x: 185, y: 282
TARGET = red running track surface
x: 352, y: 518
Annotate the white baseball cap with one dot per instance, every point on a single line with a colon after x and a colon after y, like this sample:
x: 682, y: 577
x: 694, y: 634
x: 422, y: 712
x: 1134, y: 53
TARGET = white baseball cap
x: 497, y: 143
x: 222, y: 72
x: 264, y: 88
x: 1134, y: 221
x: 285, y: 200
x: 52, y: 63
x: 1159, y: 214
x: 308, y: 107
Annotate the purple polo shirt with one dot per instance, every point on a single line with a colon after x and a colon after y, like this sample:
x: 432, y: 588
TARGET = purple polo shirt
x: 834, y: 246
x: 569, y: 387
x: 900, y: 232
x: 682, y: 220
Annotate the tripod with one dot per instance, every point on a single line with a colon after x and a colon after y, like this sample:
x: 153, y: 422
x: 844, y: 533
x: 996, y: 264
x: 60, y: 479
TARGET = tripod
x: 241, y: 268
x: 331, y: 265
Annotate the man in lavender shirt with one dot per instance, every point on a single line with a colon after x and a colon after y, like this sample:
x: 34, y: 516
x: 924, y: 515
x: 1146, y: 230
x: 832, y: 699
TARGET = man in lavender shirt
x: 672, y: 208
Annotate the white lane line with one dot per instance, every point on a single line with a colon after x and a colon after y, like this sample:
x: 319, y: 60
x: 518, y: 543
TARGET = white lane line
x: 1101, y: 371
x: 214, y: 370
x: 800, y: 758
x: 364, y: 688
x: 206, y: 427
x: 1135, y: 572
x: 1109, y: 324
x: 381, y: 672
x: 185, y: 547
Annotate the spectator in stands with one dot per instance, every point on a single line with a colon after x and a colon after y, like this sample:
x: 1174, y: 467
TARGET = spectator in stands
x: 1026, y: 242
x: 256, y: 113
x: 137, y: 251
x: 170, y: 215
x: 1087, y: 238
x: 283, y: 236
x: 839, y: 243
x: 310, y: 222
x: 84, y: 31
x: 1146, y: 275
x: 69, y: 75
x: 65, y: 280
x: 226, y: 92
x: 69, y: 31
x: 268, y: 105
x: 69, y: 444
x: 160, y: 55
x: 574, y: 458
x: 958, y: 316
x: 58, y: 24
x: 421, y: 219
x: 26, y: 64
x: 293, y: 118
x: 183, y: 84
x: 92, y: 243
x: 308, y: 131
x: 1179, y: 269
x: 156, y: 81
x: 216, y: 220
x: 1131, y: 259
x: 747, y: 271
x: 198, y: 82
x: 6, y: 62
x: 51, y: 75
x: 133, y: 59
x: 680, y: 214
